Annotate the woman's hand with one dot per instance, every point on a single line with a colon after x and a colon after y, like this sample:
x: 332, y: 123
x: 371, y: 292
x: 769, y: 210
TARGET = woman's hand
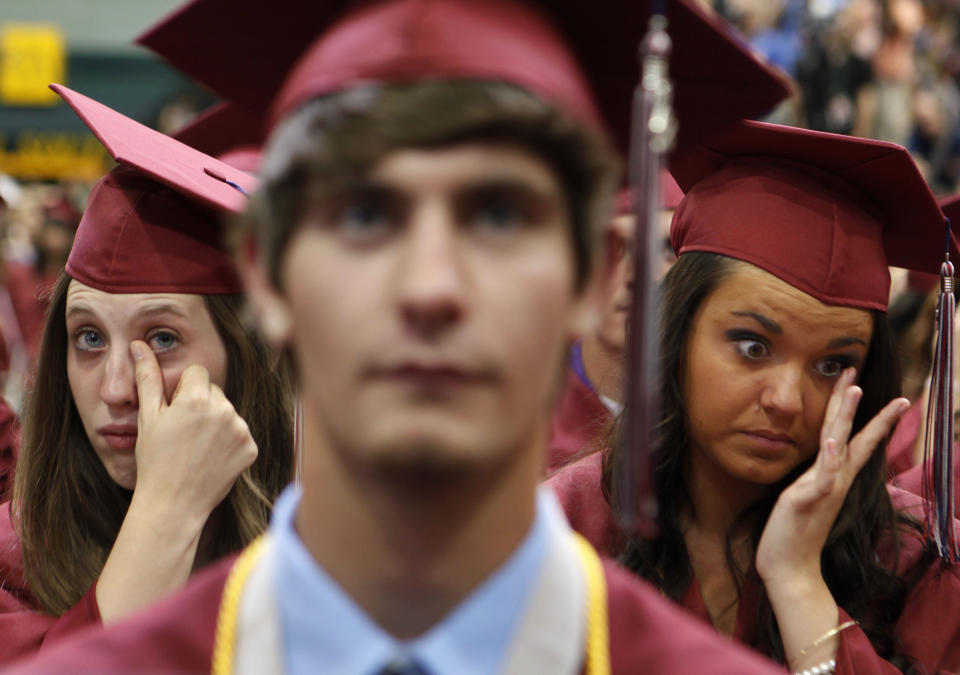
x: 189, y: 453
x: 797, y: 529
x: 788, y: 556
x: 191, y: 450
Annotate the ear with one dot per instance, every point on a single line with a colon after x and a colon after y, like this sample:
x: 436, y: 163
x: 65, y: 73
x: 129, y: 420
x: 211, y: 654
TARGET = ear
x: 270, y: 309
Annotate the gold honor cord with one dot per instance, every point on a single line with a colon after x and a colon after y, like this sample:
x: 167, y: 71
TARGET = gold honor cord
x: 598, y: 630
x: 225, y: 639
x: 597, y: 660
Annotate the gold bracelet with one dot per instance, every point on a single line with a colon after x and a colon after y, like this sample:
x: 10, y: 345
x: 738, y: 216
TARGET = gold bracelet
x: 836, y: 630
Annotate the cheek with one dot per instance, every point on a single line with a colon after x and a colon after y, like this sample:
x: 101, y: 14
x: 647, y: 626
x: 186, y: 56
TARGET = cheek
x: 529, y: 309
x: 82, y: 383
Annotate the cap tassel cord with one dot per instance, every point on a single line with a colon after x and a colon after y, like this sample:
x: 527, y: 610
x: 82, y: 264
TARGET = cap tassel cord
x: 938, y: 484
x: 652, y: 134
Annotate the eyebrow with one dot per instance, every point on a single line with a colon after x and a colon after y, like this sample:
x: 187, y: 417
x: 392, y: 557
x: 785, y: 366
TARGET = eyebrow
x: 154, y: 310
x: 838, y: 343
x: 150, y: 310
x: 378, y: 189
x: 774, y: 327
x: 769, y: 324
x: 79, y: 309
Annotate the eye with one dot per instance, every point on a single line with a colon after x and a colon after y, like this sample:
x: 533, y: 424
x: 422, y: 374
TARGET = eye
x: 498, y: 215
x: 88, y: 339
x: 162, y: 341
x: 833, y: 366
x: 752, y: 348
x: 363, y: 220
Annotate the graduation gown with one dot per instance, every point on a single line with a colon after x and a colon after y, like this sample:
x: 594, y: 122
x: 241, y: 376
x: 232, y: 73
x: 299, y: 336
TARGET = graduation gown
x: 24, y: 628
x: 900, y: 447
x: 929, y: 628
x: 648, y: 634
x: 902, y: 472
x: 578, y: 421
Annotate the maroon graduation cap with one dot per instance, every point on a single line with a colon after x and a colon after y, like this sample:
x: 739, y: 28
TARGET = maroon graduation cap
x: 229, y: 132
x: 268, y: 57
x: 826, y: 213
x: 153, y: 224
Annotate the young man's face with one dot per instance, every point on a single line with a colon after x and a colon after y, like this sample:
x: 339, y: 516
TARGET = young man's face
x: 430, y: 306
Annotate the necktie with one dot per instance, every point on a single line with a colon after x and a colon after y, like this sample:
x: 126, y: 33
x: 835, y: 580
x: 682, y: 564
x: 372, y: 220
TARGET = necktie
x: 403, y: 665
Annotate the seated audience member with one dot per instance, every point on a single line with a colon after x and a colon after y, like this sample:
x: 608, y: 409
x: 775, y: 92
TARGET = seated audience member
x: 158, y: 431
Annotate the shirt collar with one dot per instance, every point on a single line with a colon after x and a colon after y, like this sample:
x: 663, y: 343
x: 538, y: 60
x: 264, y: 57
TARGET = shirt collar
x: 322, y: 625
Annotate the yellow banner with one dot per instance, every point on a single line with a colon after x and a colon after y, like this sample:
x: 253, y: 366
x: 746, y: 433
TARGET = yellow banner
x: 31, y: 57
x: 55, y: 155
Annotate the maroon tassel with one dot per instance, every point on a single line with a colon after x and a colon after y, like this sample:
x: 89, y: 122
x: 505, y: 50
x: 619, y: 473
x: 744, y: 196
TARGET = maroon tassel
x: 938, y: 483
x: 652, y: 134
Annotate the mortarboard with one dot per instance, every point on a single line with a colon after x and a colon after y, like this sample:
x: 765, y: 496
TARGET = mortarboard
x: 826, y: 213
x: 265, y: 46
x: 244, y: 157
x: 229, y: 132
x: 152, y: 224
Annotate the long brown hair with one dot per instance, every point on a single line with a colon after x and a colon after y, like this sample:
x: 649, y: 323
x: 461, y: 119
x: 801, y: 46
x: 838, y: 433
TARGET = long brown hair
x: 869, y: 589
x: 68, y: 510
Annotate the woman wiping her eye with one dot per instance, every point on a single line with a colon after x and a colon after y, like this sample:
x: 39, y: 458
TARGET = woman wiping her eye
x: 159, y: 429
x: 779, y: 388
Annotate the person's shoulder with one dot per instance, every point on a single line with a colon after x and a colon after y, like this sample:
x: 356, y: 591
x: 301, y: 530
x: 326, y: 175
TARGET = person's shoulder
x: 579, y: 489
x: 651, y: 634
x: 173, y: 636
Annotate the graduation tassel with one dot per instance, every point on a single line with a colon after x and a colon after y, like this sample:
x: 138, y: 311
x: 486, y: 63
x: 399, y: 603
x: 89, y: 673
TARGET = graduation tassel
x: 652, y: 134
x: 938, y: 483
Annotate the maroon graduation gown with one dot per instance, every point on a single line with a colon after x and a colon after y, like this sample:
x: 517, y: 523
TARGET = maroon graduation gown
x: 903, y: 473
x: 579, y: 420
x: 24, y: 628
x: 929, y: 628
x: 900, y: 447
x: 648, y: 634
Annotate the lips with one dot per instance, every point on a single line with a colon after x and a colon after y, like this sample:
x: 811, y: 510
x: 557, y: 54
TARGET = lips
x: 119, y: 436
x: 769, y: 439
x: 430, y: 374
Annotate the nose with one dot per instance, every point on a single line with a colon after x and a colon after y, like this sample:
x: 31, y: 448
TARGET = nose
x: 118, y: 386
x: 782, y: 393
x: 431, y: 278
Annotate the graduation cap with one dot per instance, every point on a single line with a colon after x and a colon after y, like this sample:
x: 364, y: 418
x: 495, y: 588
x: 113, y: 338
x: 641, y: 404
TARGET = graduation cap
x: 829, y: 214
x: 826, y: 213
x: 153, y: 224
x: 268, y: 57
x: 229, y: 132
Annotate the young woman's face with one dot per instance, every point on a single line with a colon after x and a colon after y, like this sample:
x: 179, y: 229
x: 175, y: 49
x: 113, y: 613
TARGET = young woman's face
x: 761, y: 361
x: 100, y: 328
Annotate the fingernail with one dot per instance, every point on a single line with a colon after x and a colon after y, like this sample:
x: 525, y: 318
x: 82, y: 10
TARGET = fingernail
x: 135, y: 351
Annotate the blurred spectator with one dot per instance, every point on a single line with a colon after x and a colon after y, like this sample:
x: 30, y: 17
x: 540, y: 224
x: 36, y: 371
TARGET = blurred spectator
x: 837, y: 66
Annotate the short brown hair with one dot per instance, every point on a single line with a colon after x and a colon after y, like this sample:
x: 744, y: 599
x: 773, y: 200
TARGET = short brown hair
x: 68, y: 510
x: 331, y: 141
